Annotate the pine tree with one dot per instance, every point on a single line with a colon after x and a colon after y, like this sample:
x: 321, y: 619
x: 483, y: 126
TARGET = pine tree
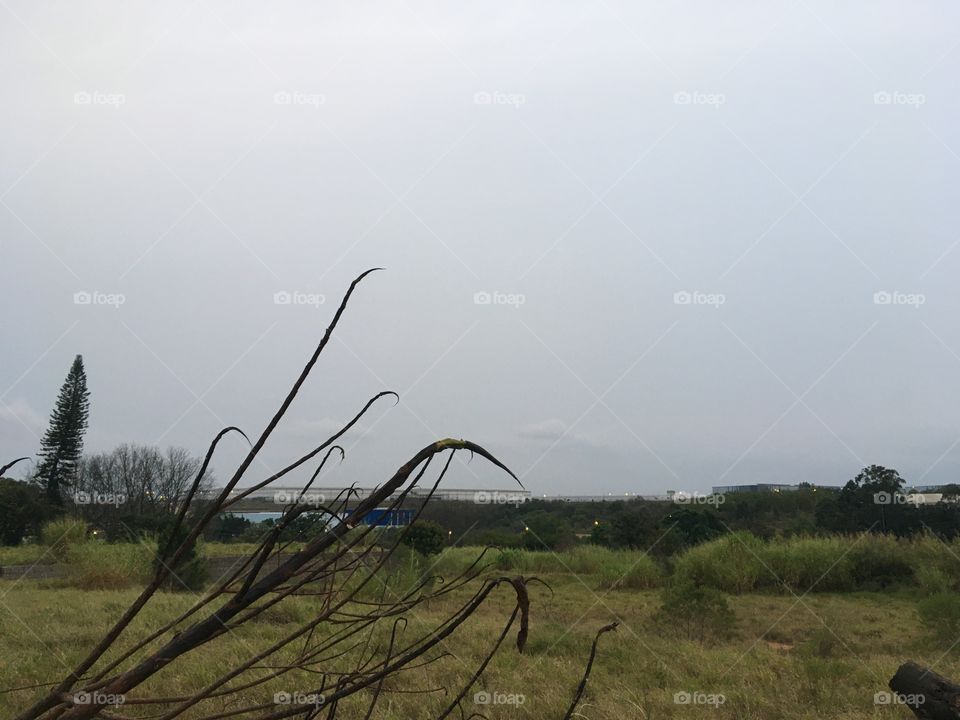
x: 62, y: 444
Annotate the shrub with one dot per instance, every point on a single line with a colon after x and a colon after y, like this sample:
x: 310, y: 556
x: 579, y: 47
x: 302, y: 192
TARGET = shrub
x: 227, y: 527
x: 730, y: 563
x: 544, y: 531
x: 932, y: 580
x: 806, y: 563
x: 22, y: 510
x: 741, y: 563
x: 880, y: 561
x: 695, y: 611
x: 190, y: 571
x: 63, y: 534
x: 822, y: 644
x: 427, y: 538
x: 494, y: 538
x: 941, y: 614
x: 929, y: 551
x: 98, y: 565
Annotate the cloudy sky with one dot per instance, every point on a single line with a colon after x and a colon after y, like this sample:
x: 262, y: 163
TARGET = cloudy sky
x: 628, y: 246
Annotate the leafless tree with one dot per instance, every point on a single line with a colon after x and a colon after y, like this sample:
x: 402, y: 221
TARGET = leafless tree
x: 140, y: 478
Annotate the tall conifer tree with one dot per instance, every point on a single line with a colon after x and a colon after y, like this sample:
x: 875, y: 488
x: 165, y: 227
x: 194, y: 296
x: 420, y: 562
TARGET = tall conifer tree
x: 62, y: 444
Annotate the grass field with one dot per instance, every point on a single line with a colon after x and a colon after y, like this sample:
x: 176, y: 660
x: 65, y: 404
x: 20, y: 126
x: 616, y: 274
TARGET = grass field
x: 790, y: 656
x: 36, y: 553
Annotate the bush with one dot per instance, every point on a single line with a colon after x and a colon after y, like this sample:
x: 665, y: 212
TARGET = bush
x: 880, y: 561
x: 63, y: 534
x: 933, y: 581
x: 822, y: 644
x: 805, y: 563
x: 493, y: 538
x: 730, y: 563
x: 741, y: 563
x: 227, y: 527
x: 427, y: 538
x: 941, y: 614
x: 695, y: 611
x: 23, y: 510
x: 929, y: 551
x: 190, y: 571
x: 98, y: 565
x: 544, y: 531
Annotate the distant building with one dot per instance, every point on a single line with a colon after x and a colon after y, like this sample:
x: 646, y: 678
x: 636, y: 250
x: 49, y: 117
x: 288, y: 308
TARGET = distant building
x: 923, y: 488
x: 923, y: 498
x: 387, y: 517
x: 766, y: 487
x: 609, y: 497
x: 281, y: 496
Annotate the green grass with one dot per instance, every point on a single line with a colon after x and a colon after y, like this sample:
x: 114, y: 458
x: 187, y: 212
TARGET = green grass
x: 29, y: 553
x: 824, y: 657
x: 600, y: 567
x: 26, y: 554
x: 791, y: 655
x: 736, y: 563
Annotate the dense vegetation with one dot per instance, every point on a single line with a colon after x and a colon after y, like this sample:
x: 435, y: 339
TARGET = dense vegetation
x: 150, y: 483
x: 873, y: 501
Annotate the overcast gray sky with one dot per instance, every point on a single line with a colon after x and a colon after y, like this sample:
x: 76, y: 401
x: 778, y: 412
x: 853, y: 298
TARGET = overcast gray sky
x: 681, y: 215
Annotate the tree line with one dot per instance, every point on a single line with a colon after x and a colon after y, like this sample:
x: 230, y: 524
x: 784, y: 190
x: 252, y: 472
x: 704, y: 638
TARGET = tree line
x: 874, y: 501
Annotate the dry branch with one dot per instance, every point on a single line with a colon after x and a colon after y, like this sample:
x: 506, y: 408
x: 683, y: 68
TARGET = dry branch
x: 335, y: 656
